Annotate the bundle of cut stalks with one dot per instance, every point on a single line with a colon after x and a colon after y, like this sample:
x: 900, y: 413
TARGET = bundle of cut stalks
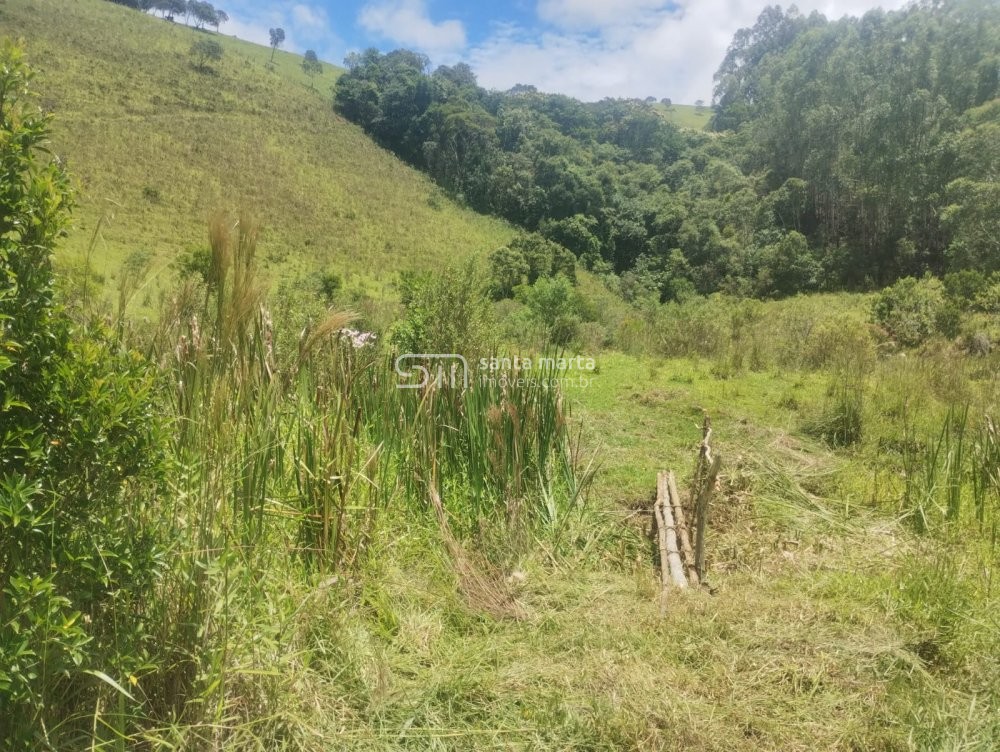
x: 682, y: 564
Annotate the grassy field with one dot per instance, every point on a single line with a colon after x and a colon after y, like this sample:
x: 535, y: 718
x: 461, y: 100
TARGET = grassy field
x: 686, y: 115
x: 830, y: 625
x: 306, y: 588
x: 156, y: 147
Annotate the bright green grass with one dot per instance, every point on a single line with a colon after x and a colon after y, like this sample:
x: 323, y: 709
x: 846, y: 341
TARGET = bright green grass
x: 156, y: 147
x: 686, y: 115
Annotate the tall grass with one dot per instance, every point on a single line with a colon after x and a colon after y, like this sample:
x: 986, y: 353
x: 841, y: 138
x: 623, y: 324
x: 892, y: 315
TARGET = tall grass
x: 952, y: 474
x: 292, y: 461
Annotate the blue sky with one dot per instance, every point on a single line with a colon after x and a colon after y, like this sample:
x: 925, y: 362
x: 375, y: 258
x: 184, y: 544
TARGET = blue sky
x: 585, y: 48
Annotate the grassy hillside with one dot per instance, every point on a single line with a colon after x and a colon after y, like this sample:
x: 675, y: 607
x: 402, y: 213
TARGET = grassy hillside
x: 686, y: 115
x: 156, y: 147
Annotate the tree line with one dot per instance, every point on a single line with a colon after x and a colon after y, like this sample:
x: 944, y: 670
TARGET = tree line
x: 844, y: 154
x: 203, y: 13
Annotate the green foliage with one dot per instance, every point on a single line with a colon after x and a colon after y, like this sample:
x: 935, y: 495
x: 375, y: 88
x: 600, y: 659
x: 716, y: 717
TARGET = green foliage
x: 311, y: 64
x: 81, y: 448
x: 963, y: 288
x: 528, y: 258
x: 330, y: 283
x: 910, y: 309
x: 445, y: 313
x: 554, y: 304
x: 788, y: 267
x: 205, y: 51
x: 577, y: 233
x: 277, y: 37
x: 902, y: 205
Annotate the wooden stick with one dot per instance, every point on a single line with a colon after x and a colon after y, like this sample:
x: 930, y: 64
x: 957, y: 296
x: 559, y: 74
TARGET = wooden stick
x: 682, y: 531
x: 673, y: 556
x: 701, y: 515
x: 704, y: 459
x: 661, y: 529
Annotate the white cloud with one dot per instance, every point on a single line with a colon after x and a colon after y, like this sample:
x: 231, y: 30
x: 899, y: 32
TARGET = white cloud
x: 594, y: 14
x: 308, y: 16
x: 309, y: 21
x: 631, y: 48
x: 407, y: 22
x: 306, y: 26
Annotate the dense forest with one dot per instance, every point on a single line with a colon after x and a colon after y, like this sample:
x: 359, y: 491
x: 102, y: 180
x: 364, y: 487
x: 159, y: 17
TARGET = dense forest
x: 845, y: 154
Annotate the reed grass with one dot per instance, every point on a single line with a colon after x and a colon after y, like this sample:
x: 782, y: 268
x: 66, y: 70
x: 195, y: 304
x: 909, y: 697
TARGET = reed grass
x: 292, y: 460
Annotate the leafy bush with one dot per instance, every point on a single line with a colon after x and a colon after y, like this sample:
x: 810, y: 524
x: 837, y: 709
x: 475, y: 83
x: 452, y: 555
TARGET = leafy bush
x: 446, y: 312
x: 206, y: 51
x: 553, y: 303
x: 528, y: 258
x: 963, y: 287
x: 79, y: 446
x: 788, y: 267
x: 910, y: 309
x: 988, y: 299
x: 329, y: 284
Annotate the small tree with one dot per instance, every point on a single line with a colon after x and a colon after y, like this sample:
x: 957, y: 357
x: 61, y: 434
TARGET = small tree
x: 277, y: 38
x: 699, y: 105
x: 667, y: 102
x: 220, y: 18
x: 204, y: 51
x: 910, y: 309
x: 311, y: 65
x: 203, y: 12
x: 170, y: 8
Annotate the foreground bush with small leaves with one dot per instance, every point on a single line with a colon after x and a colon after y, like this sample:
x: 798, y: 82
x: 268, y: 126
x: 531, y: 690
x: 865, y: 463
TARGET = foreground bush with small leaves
x: 80, y: 451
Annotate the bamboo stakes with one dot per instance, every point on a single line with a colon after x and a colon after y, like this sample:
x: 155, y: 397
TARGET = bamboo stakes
x: 682, y: 564
x: 673, y: 572
x: 682, y: 531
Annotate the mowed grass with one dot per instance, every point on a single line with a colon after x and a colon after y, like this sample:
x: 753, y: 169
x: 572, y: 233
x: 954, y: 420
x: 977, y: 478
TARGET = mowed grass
x: 686, y: 115
x: 156, y: 147
x: 829, y: 626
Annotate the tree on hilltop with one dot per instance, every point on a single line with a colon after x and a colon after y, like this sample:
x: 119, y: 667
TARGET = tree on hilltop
x: 277, y: 38
x: 311, y: 65
x: 204, y: 13
x: 169, y: 8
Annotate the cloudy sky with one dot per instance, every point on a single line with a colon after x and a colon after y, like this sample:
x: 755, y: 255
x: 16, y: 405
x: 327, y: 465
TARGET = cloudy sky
x: 586, y: 48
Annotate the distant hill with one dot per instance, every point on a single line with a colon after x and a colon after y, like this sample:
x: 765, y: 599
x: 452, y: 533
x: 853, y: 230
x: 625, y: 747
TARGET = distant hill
x: 155, y: 147
x: 686, y: 115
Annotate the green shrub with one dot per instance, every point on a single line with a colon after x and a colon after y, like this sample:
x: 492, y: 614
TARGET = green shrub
x: 508, y: 269
x: 329, y: 284
x: 988, y: 299
x: 909, y: 310
x: 79, y: 451
x: 962, y: 288
x: 788, y: 267
x: 554, y: 304
x: 205, y: 51
x: 528, y: 258
x: 447, y: 312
